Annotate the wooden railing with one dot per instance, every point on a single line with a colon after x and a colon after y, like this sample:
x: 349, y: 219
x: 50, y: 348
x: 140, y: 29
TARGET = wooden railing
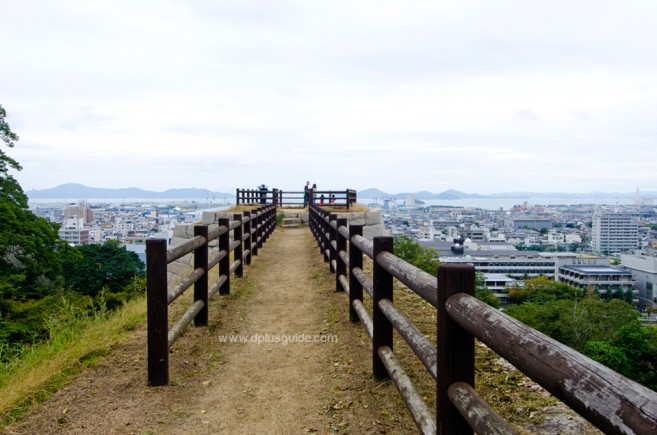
x: 610, y: 401
x: 280, y: 198
x: 250, y: 230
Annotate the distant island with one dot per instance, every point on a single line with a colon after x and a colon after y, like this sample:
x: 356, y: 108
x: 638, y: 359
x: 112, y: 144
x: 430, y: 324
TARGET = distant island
x: 74, y: 191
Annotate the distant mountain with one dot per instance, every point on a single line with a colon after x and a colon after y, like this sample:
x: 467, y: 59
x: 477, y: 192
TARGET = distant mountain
x: 74, y: 191
x: 455, y: 194
x: 374, y: 193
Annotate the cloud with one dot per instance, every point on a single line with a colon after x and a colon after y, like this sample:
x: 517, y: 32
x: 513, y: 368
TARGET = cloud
x: 476, y: 96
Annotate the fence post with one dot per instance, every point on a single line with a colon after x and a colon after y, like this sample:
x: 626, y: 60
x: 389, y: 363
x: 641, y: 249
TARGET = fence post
x: 238, y: 234
x: 341, y: 267
x: 247, y: 237
x: 455, y: 347
x: 326, y: 234
x: 237, y: 196
x: 260, y: 234
x: 255, y: 215
x: 201, y: 285
x: 274, y: 196
x: 382, y: 328
x: 355, y: 261
x: 224, y: 263
x: 333, y: 253
x: 157, y: 312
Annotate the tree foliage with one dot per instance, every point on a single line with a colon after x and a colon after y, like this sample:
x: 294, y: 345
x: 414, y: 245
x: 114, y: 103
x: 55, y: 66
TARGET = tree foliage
x: 29, y: 245
x: 632, y: 351
x: 542, y: 289
x: 9, y: 188
x: 419, y: 256
x: 99, y: 267
x: 575, y: 322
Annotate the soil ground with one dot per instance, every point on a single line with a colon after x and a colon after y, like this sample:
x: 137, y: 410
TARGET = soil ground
x: 277, y: 385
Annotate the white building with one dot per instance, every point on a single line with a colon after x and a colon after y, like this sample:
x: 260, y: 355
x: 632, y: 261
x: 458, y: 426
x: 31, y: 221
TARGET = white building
x: 614, y: 232
x: 644, y: 271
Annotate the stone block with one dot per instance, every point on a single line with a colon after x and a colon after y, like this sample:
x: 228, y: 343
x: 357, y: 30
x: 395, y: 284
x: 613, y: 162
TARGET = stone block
x: 357, y: 222
x: 373, y: 218
x: 212, y: 217
x: 179, y: 268
x: 182, y: 231
x: 371, y: 231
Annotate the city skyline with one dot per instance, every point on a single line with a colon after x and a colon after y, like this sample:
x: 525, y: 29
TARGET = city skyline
x: 479, y: 97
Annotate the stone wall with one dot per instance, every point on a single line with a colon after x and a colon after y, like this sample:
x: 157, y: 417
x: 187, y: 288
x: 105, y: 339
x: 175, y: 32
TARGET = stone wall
x: 372, y: 221
x: 372, y: 226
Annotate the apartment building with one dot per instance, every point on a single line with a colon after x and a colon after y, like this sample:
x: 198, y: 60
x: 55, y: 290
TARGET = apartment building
x: 614, y: 232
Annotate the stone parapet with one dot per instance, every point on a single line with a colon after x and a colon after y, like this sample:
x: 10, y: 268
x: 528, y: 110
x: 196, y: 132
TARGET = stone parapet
x: 372, y: 223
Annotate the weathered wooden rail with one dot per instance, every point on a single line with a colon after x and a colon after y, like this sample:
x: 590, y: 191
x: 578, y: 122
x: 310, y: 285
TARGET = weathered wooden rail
x: 280, y: 198
x: 610, y: 401
x: 249, y: 230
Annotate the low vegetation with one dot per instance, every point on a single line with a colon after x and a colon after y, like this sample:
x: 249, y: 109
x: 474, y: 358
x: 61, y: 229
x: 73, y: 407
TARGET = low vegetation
x: 76, y: 339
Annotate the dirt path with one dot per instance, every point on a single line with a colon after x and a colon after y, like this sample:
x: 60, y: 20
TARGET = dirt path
x: 295, y: 380
x: 272, y: 384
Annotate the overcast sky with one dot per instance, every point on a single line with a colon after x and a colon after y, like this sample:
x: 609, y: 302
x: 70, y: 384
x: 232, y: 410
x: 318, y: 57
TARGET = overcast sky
x: 478, y: 96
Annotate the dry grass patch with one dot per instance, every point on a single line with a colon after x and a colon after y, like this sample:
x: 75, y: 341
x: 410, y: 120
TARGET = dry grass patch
x: 46, y: 367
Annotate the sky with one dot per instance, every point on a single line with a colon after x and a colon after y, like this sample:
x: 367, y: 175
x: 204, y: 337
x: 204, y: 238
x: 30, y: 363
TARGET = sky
x: 478, y: 96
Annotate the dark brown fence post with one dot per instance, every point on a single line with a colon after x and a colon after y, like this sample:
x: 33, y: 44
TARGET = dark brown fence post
x: 201, y: 285
x: 255, y: 231
x: 237, y: 197
x: 262, y: 226
x: 455, y: 347
x: 355, y: 261
x: 341, y: 267
x: 382, y: 328
x: 247, y: 239
x: 325, y: 234
x: 274, y: 196
x: 238, y: 235
x: 224, y: 263
x: 333, y: 253
x: 348, y: 198
x: 157, y: 312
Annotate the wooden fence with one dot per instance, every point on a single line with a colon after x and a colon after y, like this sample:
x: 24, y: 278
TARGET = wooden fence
x: 610, y: 401
x: 280, y: 198
x: 249, y: 230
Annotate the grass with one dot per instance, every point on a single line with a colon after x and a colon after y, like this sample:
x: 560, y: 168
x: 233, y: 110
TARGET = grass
x: 74, y: 344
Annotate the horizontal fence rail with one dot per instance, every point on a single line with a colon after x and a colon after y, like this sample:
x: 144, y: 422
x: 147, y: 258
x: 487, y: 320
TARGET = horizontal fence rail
x: 249, y: 231
x: 610, y: 401
x: 330, y: 198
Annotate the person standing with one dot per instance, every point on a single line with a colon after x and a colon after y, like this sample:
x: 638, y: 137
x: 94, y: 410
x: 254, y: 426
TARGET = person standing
x: 306, y: 194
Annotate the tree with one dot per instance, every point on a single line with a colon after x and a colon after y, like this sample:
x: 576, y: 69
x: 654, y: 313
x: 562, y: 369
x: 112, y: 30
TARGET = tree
x: 105, y: 266
x: 9, y: 187
x: 419, y: 256
x: 542, y: 289
x: 632, y: 351
x: 29, y: 246
x: 575, y: 322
